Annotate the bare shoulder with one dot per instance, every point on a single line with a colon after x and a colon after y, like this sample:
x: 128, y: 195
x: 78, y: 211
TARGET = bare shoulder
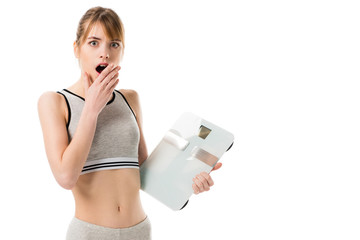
x: 132, y: 97
x: 130, y: 94
x: 48, y: 99
x: 51, y: 102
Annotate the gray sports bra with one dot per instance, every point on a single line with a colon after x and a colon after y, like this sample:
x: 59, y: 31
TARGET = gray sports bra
x: 116, y: 140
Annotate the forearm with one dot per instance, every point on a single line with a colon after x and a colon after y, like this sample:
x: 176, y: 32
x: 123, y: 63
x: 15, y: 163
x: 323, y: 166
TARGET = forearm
x: 76, y: 153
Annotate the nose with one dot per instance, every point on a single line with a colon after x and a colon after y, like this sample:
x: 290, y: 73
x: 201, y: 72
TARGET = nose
x: 105, y: 55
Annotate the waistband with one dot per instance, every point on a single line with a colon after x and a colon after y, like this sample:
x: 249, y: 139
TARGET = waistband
x: 110, y: 163
x: 136, y: 227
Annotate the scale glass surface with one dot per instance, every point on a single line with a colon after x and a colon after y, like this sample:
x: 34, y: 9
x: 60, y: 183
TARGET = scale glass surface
x: 193, y: 145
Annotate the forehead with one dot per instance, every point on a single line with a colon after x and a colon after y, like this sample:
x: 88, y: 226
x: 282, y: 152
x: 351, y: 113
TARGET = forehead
x: 97, y: 30
x: 102, y: 30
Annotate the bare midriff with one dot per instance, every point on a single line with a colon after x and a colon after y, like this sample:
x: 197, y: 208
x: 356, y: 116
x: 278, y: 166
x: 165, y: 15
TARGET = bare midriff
x: 109, y: 198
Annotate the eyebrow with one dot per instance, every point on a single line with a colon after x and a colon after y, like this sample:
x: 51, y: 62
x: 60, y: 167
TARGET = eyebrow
x: 92, y: 37
x: 96, y: 38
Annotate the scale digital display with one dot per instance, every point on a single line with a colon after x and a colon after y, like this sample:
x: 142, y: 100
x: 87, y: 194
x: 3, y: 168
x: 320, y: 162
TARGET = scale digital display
x: 204, y: 132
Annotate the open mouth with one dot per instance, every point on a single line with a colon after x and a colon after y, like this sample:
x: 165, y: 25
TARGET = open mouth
x: 101, y: 67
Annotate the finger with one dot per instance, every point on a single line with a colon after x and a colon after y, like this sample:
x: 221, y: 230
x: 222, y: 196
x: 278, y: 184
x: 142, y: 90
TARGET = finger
x: 110, y: 82
x: 217, y: 166
x: 208, y: 178
x: 111, y: 76
x: 109, y: 71
x: 112, y: 87
x: 195, y: 188
x: 104, y: 73
x: 204, y: 182
x: 198, y: 184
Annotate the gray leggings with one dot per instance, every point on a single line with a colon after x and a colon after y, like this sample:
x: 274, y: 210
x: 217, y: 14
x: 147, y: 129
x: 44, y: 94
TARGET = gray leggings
x: 80, y: 230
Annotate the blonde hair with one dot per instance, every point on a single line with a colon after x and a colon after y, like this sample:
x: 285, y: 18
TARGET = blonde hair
x: 110, y: 21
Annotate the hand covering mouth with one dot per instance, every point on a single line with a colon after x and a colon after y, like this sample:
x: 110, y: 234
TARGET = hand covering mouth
x: 101, y: 67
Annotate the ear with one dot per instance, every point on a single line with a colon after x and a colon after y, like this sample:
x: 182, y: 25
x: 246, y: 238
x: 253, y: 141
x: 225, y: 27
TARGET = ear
x: 76, y: 50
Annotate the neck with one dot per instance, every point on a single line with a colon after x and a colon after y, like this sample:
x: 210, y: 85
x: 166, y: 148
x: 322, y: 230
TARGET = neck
x: 78, y: 88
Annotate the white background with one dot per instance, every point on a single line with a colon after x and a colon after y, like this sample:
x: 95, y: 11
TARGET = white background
x: 283, y: 76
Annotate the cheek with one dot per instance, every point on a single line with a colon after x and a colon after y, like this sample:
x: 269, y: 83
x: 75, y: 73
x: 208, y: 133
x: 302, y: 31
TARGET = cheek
x: 85, y: 62
x: 117, y: 56
x: 85, y: 55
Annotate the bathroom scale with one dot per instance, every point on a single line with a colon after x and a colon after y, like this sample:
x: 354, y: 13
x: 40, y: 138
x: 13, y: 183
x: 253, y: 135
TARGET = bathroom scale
x: 193, y: 145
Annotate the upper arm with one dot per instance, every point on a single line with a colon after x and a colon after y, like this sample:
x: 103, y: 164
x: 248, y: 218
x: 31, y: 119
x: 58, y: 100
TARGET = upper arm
x: 52, y: 114
x: 133, y: 99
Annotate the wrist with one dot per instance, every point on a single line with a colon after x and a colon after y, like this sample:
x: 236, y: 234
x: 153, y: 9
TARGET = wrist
x: 90, y: 113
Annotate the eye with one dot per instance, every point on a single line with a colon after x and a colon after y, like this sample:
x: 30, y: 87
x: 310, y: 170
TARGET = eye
x: 93, y: 43
x: 115, y: 45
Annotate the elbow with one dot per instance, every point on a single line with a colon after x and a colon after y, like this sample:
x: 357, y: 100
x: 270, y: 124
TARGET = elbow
x: 66, y: 181
x: 67, y: 186
x: 142, y: 159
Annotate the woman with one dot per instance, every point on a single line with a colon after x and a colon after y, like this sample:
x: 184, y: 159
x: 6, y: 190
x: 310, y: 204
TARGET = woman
x: 93, y: 137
